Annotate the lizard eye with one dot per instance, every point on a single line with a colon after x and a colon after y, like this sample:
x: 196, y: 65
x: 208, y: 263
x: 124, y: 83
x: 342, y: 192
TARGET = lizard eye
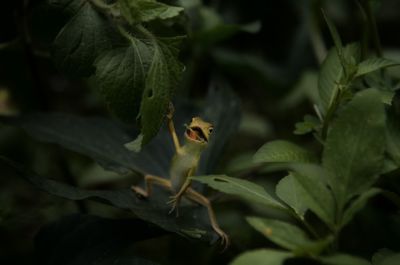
x: 210, y: 130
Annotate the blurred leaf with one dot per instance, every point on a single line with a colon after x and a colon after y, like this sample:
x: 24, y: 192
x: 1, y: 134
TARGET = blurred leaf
x: 385, y: 257
x: 310, y: 123
x: 287, y: 236
x: 81, y: 40
x: 283, y: 151
x: 331, y: 73
x: 291, y: 192
x: 244, y: 189
x: 343, y: 259
x: 311, y: 185
x: 137, y: 11
x: 355, y: 145
x: 88, y: 239
x: 120, y: 74
x: 262, y: 257
x: 305, y: 89
x: 67, y: 6
x: 374, y: 64
x: 358, y: 204
x: 154, y: 209
x: 334, y: 33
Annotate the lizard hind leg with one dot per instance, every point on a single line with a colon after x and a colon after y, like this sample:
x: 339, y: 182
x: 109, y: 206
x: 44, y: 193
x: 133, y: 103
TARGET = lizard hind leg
x: 201, y: 199
x: 149, y: 180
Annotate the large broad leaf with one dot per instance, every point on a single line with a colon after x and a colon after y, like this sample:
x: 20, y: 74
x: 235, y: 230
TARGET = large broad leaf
x: 161, y: 80
x: 386, y: 257
x: 332, y: 73
x: 358, y: 204
x: 373, y: 64
x: 137, y: 11
x: 81, y: 40
x: 262, y: 257
x: 88, y: 239
x: 103, y: 140
x: 240, y: 187
x: 355, y: 145
x: 283, y: 151
x: 343, y: 259
x: 192, y: 222
x: 287, y: 236
x: 310, y: 182
x: 291, y: 192
x: 120, y: 74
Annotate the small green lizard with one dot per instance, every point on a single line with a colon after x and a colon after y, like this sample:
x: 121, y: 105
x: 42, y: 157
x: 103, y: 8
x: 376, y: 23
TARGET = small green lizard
x: 184, y: 165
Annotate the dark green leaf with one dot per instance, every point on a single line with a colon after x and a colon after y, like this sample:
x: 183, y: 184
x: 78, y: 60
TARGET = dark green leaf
x: 240, y: 187
x: 374, y: 64
x: 310, y: 123
x: 262, y: 257
x: 393, y: 136
x: 334, y: 34
x: 344, y: 259
x: 385, y: 257
x: 120, y: 74
x: 291, y: 192
x: 287, y: 236
x: 283, y: 151
x: 161, y: 80
x: 154, y: 209
x: 67, y: 6
x: 88, y: 239
x: 138, y: 11
x: 314, y: 193
x: 355, y: 145
x: 332, y: 73
x: 81, y: 40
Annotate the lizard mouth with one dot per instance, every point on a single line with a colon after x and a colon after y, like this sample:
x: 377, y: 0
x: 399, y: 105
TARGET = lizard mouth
x: 196, y: 134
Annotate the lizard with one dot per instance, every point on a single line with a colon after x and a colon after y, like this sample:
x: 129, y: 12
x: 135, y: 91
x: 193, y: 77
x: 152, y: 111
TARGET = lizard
x: 183, y: 166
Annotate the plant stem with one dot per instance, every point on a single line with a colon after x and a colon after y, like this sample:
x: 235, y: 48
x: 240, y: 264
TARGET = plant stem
x: 373, y: 27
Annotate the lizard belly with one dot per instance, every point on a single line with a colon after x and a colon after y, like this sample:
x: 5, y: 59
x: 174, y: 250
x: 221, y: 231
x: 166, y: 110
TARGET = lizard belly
x: 180, y: 168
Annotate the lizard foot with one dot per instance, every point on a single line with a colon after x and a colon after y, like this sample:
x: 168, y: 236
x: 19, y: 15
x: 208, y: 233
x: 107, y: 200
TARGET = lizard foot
x: 140, y: 192
x: 225, y: 242
x: 175, y: 203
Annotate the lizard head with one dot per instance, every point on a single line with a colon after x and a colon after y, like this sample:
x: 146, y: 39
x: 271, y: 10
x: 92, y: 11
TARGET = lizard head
x: 198, y: 131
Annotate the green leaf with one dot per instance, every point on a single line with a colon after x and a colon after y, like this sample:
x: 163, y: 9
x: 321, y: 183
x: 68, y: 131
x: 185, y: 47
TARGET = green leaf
x: 162, y: 78
x: 310, y: 123
x: 287, y: 236
x: 374, y: 64
x: 282, y: 151
x: 120, y: 74
x: 67, y: 6
x: 332, y: 73
x: 385, y: 257
x: 358, y: 204
x: 245, y: 189
x: 262, y: 257
x: 291, y: 192
x: 343, y: 259
x: 354, y: 149
x: 313, y: 191
x: 138, y: 11
x: 75, y: 239
x: 81, y: 40
x: 153, y: 209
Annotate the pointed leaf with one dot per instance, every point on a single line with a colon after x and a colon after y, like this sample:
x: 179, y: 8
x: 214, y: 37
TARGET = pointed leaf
x: 334, y: 33
x: 282, y: 151
x: 262, y: 257
x: 287, y: 236
x: 245, y: 189
x: 355, y: 145
x: 291, y: 192
x: 374, y: 64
